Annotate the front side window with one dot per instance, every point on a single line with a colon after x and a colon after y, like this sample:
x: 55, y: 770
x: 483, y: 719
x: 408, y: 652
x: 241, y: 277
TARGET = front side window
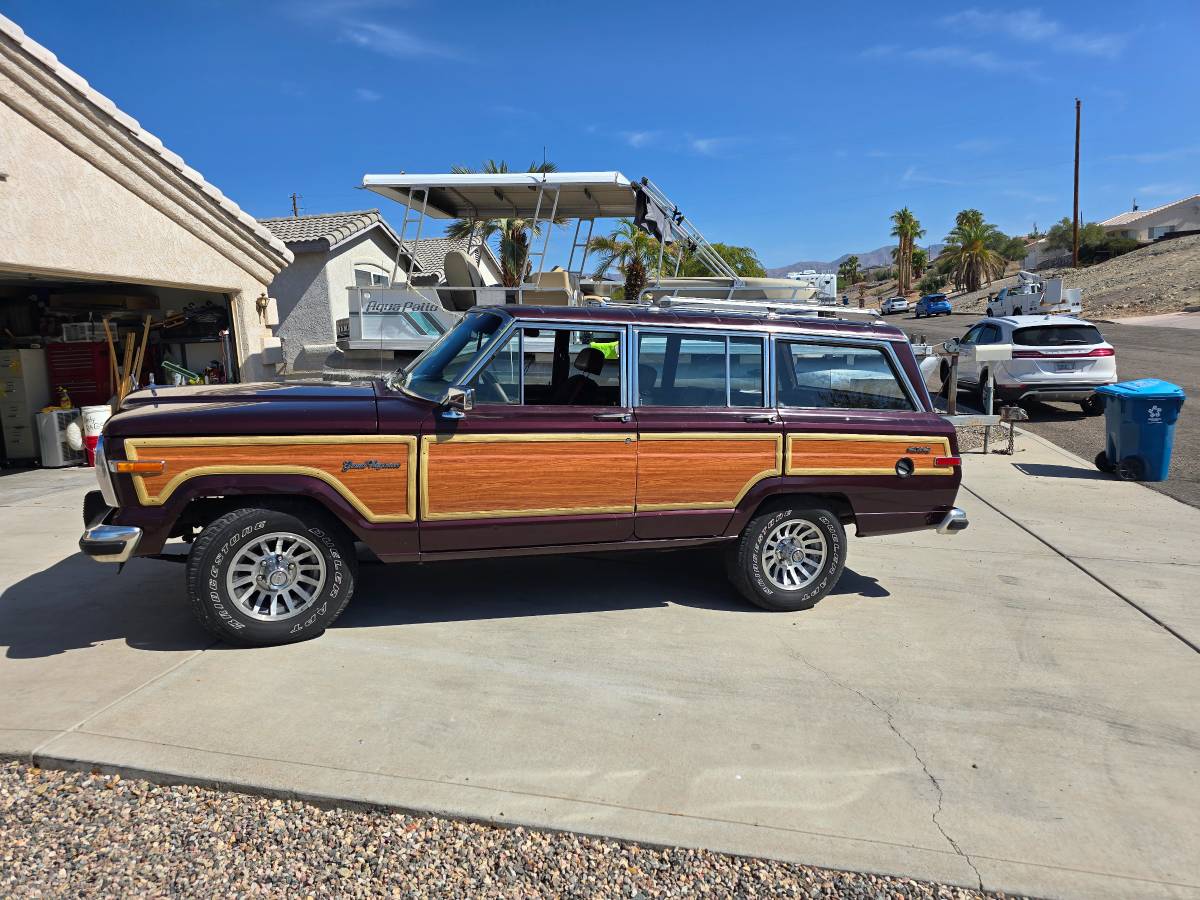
x: 700, y: 370
x: 449, y: 358
x: 553, y: 367
x: 829, y: 376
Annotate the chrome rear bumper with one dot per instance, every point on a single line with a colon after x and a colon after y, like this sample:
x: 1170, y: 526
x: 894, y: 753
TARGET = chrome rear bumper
x: 110, y: 543
x: 956, y: 520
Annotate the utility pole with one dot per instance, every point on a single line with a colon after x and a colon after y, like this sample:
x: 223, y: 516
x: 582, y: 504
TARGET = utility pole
x: 296, y: 197
x: 1075, y: 226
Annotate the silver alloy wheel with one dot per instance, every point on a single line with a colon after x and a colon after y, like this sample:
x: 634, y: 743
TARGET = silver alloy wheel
x: 276, y: 576
x: 794, y: 554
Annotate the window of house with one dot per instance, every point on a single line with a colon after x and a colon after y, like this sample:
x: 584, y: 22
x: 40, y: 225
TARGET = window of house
x: 553, y: 367
x: 370, y: 276
x: 700, y: 370
x: 829, y: 376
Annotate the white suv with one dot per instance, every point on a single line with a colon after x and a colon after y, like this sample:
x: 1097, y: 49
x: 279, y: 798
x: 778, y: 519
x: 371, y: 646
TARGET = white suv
x: 1053, y: 358
x: 893, y: 304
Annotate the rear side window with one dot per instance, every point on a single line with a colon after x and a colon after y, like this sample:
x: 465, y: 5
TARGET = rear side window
x: 1057, y: 335
x: 700, y: 370
x: 828, y: 376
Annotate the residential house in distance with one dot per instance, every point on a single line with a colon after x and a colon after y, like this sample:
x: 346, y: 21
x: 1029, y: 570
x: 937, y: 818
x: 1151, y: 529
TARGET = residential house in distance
x: 335, y: 252
x: 1151, y: 224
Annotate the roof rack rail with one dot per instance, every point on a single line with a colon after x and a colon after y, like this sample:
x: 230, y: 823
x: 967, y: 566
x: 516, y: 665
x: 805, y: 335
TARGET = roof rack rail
x: 767, y: 308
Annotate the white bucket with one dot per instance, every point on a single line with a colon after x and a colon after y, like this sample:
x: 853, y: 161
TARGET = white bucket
x: 94, y: 418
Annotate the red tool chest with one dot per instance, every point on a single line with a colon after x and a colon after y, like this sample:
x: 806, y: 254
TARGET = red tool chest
x: 82, y: 368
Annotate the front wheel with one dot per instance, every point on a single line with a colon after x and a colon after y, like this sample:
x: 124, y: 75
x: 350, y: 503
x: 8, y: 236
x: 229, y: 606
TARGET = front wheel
x: 260, y: 577
x: 990, y: 314
x: 788, y: 559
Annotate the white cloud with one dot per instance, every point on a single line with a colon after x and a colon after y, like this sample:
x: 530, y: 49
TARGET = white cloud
x: 1157, y: 156
x: 1172, y: 189
x: 366, y: 95
x: 639, y: 139
x: 1031, y: 26
x: 984, y: 60
x: 878, y: 51
x: 712, y: 146
x: 913, y: 175
x: 388, y: 40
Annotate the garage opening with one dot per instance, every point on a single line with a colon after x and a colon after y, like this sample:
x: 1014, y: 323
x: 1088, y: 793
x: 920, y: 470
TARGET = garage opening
x: 54, y: 351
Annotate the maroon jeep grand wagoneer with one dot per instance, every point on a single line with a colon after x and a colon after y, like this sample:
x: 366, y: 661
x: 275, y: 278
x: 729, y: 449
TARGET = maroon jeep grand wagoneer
x: 529, y: 430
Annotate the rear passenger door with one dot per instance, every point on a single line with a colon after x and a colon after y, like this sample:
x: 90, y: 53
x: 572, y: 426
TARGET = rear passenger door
x: 705, y: 433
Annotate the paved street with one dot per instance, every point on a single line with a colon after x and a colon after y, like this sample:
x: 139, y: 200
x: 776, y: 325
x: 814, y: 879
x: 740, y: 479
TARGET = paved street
x: 1143, y: 351
x: 1012, y: 706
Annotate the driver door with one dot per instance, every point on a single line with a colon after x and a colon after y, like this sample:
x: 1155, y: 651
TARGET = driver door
x: 545, y: 456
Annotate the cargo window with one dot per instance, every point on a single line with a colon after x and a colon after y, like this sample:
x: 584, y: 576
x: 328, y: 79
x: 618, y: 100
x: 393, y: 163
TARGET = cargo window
x: 700, y: 370
x: 1058, y: 335
x: 829, y: 376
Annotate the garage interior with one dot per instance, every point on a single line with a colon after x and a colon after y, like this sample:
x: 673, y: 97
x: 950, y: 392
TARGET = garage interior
x: 54, y: 352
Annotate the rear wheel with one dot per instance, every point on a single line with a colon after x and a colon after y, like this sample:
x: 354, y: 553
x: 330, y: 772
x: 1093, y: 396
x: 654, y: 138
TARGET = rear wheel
x: 1017, y: 311
x: 788, y: 559
x: 260, y: 577
x: 990, y: 314
x: 1130, y: 469
x: 984, y: 394
x: 1092, y: 405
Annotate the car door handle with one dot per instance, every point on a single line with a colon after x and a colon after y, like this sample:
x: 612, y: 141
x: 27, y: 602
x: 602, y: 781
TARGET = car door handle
x: 611, y: 417
x: 763, y: 418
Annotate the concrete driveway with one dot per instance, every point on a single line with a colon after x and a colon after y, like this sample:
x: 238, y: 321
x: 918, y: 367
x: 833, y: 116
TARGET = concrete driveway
x: 1015, y: 705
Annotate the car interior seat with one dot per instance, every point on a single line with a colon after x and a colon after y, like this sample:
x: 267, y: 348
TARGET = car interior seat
x: 581, y: 389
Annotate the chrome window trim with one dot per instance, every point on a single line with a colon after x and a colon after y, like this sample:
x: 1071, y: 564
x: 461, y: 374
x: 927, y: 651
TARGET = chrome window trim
x: 764, y: 337
x: 898, y: 371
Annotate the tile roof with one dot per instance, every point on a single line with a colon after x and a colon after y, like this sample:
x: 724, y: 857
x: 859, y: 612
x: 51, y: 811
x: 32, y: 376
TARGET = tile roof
x: 15, y: 33
x: 1127, y: 218
x: 430, y: 253
x: 330, y: 227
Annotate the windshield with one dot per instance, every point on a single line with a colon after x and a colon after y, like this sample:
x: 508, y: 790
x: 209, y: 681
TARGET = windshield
x: 1057, y: 335
x: 445, y: 361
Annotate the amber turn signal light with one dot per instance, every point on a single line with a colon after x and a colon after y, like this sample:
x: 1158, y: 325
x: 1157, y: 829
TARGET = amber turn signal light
x: 137, y: 467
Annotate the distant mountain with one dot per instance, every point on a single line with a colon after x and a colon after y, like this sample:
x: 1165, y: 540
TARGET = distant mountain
x: 866, y: 260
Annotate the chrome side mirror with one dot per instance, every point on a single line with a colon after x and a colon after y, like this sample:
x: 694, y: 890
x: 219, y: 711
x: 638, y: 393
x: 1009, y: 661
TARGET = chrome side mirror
x: 457, y: 401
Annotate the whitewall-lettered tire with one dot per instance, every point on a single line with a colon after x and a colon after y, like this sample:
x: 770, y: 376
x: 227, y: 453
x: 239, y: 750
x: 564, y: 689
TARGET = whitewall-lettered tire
x: 260, y: 577
x: 788, y: 558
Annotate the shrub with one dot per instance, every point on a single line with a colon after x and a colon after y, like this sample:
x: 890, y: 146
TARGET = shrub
x: 931, y: 283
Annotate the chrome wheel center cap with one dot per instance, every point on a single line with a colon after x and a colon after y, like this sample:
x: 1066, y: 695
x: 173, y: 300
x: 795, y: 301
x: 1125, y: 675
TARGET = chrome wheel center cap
x: 278, y: 578
x: 789, y: 552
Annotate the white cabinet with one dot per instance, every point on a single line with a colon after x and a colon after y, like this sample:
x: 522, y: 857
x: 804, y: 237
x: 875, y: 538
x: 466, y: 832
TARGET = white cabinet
x: 24, y: 390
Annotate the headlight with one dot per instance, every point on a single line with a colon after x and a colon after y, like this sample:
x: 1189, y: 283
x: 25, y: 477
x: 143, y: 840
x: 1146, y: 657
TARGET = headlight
x: 102, y: 475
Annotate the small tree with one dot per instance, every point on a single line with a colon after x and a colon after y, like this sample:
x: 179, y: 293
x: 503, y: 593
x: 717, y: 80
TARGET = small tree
x: 931, y: 283
x: 919, y: 260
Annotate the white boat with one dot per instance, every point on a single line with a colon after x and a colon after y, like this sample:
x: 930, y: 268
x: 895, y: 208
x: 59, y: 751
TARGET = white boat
x: 406, y: 316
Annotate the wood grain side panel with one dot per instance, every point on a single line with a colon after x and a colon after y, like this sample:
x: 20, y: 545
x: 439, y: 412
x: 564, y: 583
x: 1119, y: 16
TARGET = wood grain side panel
x: 683, y: 473
x: 503, y: 475
x: 383, y: 492
x: 863, y: 454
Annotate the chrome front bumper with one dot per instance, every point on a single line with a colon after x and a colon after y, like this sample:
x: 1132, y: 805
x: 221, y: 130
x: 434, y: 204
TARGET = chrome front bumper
x: 955, y: 521
x: 110, y: 543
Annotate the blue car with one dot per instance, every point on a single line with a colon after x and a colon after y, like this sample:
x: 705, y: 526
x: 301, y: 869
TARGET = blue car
x: 932, y: 305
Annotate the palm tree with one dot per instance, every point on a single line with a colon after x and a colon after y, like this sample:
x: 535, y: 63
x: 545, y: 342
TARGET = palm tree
x: 631, y: 250
x: 849, y: 270
x: 968, y: 217
x: 513, y: 234
x: 970, y: 256
x: 907, y: 230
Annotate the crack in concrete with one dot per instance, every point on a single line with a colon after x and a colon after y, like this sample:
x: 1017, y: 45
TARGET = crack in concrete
x: 891, y: 723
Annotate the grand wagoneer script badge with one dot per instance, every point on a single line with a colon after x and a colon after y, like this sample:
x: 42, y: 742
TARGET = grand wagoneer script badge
x: 349, y: 464
x: 916, y: 450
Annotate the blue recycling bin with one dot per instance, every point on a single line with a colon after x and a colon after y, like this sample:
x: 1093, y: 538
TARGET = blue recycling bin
x: 1139, y: 418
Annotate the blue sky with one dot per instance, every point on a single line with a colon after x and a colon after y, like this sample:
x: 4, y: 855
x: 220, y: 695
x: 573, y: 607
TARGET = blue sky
x: 795, y: 128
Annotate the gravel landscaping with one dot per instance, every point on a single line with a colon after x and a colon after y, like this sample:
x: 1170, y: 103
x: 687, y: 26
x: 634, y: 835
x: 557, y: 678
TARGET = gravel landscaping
x: 81, y: 834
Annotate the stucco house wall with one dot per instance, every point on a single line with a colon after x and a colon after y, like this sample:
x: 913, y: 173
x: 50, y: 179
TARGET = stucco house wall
x: 1147, y: 225
x: 88, y: 194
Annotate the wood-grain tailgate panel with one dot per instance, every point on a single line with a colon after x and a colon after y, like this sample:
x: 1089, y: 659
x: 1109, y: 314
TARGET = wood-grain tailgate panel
x: 864, y: 454
x: 383, y: 489
x: 489, y: 475
x: 702, y: 471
